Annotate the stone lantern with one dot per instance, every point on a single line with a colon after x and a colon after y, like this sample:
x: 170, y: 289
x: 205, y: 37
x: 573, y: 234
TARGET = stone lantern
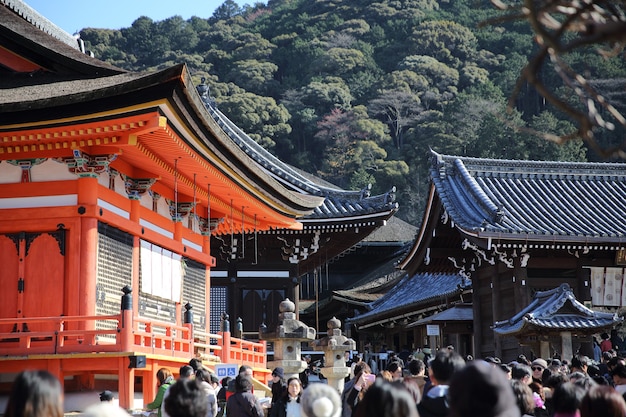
x: 334, y: 345
x: 287, y: 340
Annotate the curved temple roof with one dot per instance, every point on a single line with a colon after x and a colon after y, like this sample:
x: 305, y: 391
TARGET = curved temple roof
x: 533, y: 200
x: 337, y: 202
x: 556, y: 310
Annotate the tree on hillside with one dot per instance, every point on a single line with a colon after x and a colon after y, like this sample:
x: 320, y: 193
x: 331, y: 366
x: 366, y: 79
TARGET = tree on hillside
x: 399, y: 110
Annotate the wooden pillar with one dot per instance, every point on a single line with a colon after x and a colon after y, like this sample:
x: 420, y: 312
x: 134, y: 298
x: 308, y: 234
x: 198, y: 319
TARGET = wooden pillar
x: 477, y: 337
x: 544, y: 349
x: 126, y: 386
x: 86, y: 281
x: 496, y: 309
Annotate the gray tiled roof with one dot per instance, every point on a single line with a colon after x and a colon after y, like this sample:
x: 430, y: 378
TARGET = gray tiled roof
x: 337, y: 203
x: 556, y: 309
x: 533, y: 200
x: 461, y: 312
x: 413, y: 291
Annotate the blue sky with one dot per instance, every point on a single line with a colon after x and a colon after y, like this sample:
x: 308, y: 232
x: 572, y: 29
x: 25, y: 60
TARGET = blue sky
x: 74, y: 15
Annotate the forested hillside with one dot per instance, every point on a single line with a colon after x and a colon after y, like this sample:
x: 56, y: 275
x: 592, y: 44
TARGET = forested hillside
x: 357, y: 91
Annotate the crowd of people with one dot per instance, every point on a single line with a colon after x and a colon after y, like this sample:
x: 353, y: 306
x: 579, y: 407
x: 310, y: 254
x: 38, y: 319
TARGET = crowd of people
x: 446, y: 385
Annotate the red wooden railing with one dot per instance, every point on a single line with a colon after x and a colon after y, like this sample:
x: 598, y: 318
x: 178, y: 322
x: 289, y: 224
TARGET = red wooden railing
x: 124, y: 333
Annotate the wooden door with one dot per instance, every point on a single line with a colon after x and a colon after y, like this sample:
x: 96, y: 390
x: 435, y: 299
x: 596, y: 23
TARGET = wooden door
x: 32, y: 277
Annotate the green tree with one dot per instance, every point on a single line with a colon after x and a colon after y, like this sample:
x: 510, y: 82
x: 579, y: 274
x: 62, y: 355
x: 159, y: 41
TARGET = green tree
x: 448, y: 42
x: 261, y: 118
x: 399, y: 110
x: 253, y: 75
x: 227, y: 10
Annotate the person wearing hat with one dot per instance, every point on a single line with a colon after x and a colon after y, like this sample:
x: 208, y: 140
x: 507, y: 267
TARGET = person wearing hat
x: 279, y: 387
x: 538, y: 366
x: 320, y: 400
x: 106, y: 396
x: 480, y: 389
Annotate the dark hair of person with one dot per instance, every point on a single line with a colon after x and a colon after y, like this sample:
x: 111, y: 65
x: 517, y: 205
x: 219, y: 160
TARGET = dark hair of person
x: 579, y: 361
x: 203, y: 375
x: 416, y: 366
x: 547, y: 373
x: 359, y: 368
x: 393, y: 366
x: 35, y: 394
x: 386, y: 399
x: 505, y: 368
x: 445, y: 364
x: 602, y: 400
x: 186, y: 398
x: 162, y: 374
x: 185, y: 371
x: 226, y: 380
x: 243, y: 383
x: 286, y: 390
x: 520, y: 370
x: 524, y: 396
x: 567, y: 397
x: 195, y: 363
x: 555, y: 380
x: 537, y: 387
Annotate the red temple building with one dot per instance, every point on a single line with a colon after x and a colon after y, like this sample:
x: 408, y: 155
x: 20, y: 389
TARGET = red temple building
x: 111, y: 186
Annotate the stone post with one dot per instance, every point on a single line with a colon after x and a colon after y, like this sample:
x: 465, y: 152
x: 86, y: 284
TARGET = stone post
x: 334, y: 345
x: 287, y: 339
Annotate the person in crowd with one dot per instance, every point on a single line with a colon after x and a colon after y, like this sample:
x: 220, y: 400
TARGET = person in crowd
x: 221, y: 396
x: 539, y: 398
x: 506, y: 369
x: 442, y: 367
x: 320, y: 400
x: 106, y: 396
x: 358, y: 358
x: 354, y: 396
x: 567, y: 398
x: 244, y: 370
x: 494, y: 361
x: 184, y: 372
x: 618, y: 375
x: 616, y: 341
x: 605, y: 344
x: 550, y: 385
x: 538, y: 366
x: 395, y: 368
x: 603, y: 365
x: 417, y: 371
x: 522, y: 372
x: 208, y: 383
x: 479, y: 389
x: 187, y: 398
x: 579, y: 363
x: 35, y: 394
x: 386, y: 399
x: 597, y: 351
x: 196, y: 364
x: 164, y: 380
x: 279, y: 387
x: 243, y: 403
x: 602, y: 400
x: 304, y: 375
x: 347, y: 388
x: 289, y: 403
x: 524, y: 397
x: 385, y: 375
